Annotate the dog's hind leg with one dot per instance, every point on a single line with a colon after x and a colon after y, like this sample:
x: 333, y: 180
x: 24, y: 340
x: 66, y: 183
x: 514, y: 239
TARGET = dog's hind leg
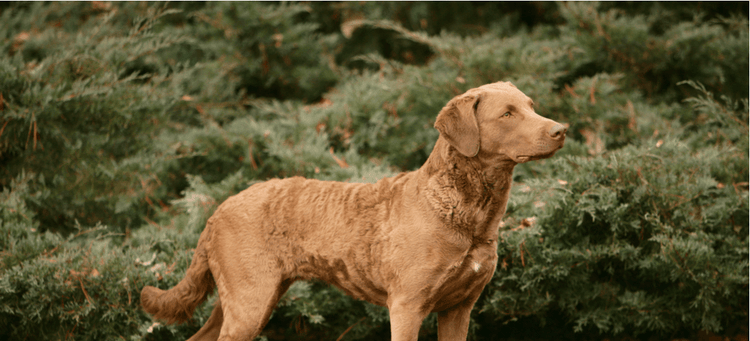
x: 210, y: 330
x: 247, y: 306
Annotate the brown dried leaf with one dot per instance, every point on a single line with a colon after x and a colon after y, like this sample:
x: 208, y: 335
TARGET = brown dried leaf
x: 21, y: 37
x: 632, y: 123
x: 101, y: 5
x: 278, y: 38
x: 528, y: 222
x: 348, y: 27
x: 593, y: 141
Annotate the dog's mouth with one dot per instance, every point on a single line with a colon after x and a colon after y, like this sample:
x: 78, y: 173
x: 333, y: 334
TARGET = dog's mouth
x: 527, y: 158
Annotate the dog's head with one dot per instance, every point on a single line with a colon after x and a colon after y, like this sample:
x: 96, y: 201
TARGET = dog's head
x: 499, y: 120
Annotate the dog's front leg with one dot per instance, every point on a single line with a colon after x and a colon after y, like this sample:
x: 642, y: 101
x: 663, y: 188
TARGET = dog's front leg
x: 453, y: 323
x: 406, y: 318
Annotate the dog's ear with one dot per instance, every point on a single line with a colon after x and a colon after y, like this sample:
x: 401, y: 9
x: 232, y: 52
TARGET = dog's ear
x: 457, y: 123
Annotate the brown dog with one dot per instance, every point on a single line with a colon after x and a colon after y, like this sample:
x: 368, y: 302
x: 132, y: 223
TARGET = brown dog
x: 418, y: 242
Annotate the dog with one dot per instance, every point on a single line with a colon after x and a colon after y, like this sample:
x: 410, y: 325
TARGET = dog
x: 419, y: 242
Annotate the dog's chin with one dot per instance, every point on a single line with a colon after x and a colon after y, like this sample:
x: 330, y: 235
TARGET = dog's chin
x: 527, y: 158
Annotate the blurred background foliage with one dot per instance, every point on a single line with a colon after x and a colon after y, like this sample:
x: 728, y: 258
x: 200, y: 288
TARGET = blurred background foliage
x: 123, y: 125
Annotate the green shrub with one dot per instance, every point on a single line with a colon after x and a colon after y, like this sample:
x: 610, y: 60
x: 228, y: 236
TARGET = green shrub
x: 124, y: 125
x: 643, y: 239
x: 275, y: 52
x: 655, y: 61
x: 77, y: 113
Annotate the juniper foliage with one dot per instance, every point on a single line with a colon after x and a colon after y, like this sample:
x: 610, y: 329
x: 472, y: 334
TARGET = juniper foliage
x: 124, y: 125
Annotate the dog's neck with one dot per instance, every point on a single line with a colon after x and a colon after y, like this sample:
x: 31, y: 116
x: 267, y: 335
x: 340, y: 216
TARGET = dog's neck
x: 469, y: 194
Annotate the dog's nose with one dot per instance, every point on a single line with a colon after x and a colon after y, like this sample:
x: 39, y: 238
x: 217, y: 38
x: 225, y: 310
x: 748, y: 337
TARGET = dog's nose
x: 557, y: 131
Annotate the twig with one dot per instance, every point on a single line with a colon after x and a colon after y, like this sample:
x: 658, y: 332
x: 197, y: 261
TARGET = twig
x: 88, y: 298
x: 570, y: 90
x: 250, y: 154
x: 3, y: 129
x: 350, y: 328
x: 341, y: 162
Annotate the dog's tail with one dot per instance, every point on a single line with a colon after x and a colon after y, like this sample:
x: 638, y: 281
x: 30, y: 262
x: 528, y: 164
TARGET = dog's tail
x: 176, y: 305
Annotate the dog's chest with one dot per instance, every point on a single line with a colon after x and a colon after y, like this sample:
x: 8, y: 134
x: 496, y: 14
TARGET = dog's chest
x: 479, y: 262
x: 468, y: 276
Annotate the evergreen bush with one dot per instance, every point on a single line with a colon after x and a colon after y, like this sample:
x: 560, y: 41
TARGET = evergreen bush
x: 644, y: 239
x: 124, y: 125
